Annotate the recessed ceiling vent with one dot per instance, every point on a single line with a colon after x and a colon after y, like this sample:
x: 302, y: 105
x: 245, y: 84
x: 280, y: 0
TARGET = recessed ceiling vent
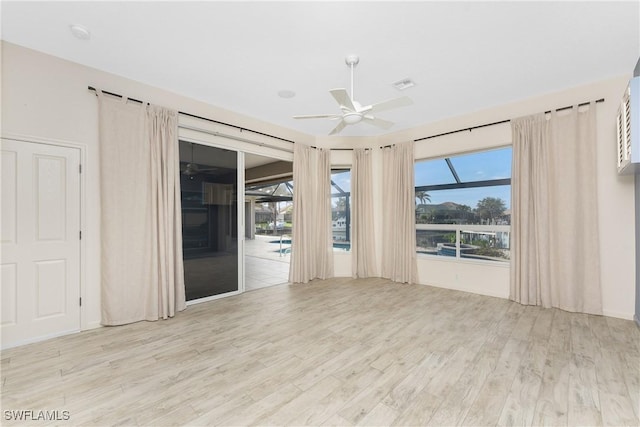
x: 404, y: 84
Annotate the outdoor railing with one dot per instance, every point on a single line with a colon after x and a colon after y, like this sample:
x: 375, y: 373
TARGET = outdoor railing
x: 477, y: 242
x: 282, y: 236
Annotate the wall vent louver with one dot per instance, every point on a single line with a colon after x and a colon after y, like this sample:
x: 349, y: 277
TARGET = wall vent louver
x: 628, y: 129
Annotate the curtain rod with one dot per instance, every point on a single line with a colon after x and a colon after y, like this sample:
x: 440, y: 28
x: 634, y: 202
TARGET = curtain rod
x: 340, y: 149
x: 499, y: 123
x: 199, y: 117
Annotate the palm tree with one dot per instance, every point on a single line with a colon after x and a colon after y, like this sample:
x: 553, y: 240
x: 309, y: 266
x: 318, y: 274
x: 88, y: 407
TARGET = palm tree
x: 423, y: 196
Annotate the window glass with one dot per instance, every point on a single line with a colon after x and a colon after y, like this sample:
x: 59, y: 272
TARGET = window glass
x: 433, y: 172
x: 485, y: 165
x: 463, y: 206
x: 436, y: 242
x: 483, y: 195
x: 341, y: 208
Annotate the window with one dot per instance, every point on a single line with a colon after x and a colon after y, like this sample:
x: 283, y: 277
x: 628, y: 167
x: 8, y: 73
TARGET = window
x: 463, y: 205
x: 274, y: 206
x: 341, y: 208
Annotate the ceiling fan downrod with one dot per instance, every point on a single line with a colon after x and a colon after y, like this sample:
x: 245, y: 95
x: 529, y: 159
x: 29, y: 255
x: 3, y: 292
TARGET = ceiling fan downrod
x: 352, y: 61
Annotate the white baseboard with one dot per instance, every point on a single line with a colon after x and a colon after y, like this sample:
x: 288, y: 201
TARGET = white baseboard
x: 617, y: 314
x: 92, y: 325
x: 38, y: 339
x: 469, y: 290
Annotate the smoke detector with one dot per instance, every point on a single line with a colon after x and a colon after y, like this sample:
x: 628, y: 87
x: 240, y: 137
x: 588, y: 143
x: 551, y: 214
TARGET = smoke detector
x: 80, y: 32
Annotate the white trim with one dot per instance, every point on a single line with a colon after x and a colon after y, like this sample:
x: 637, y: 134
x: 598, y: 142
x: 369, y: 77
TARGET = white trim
x: 201, y: 132
x: 241, y: 218
x: 617, y: 314
x: 459, y: 153
x: 247, y: 141
x: 211, y: 140
x: 93, y: 325
x: 212, y: 298
x: 475, y: 291
x: 240, y: 212
x: 235, y: 138
x: 82, y: 148
x: 467, y: 227
x: 41, y: 338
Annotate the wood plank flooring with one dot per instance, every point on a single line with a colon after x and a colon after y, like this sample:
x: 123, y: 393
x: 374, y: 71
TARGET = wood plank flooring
x: 337, y: 352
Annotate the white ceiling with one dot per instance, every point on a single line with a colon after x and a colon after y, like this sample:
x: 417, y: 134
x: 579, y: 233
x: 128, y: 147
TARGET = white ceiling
x: 463, y: 56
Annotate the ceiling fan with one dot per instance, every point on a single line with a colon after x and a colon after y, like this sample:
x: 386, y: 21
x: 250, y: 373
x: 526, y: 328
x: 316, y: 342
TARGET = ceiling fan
x: 352, y: 111
x: 191, y: 169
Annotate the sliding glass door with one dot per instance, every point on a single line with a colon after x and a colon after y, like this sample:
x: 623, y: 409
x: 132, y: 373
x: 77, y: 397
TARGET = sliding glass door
x: 210, y: 218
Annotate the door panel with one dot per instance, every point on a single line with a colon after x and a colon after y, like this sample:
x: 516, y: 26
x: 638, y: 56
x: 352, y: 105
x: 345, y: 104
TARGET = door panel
x: 50, y: 192
x: 9, y: 196
x: 9, y: 294
x: 40, y: 241
x: 50, y: 287
x: 209, y: 187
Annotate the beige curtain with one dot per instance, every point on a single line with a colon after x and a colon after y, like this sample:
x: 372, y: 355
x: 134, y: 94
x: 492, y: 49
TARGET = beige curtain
x: 555, y: 246
x: 162, y: 137
x: 363, y: 253
x: 311, y: 240
x: 398, y: 215
x: 142, y: 270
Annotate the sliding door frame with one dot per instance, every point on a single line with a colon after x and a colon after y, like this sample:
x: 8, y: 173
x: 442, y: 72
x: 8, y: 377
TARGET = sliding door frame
x: 209, y: 134
x: 240, y: 216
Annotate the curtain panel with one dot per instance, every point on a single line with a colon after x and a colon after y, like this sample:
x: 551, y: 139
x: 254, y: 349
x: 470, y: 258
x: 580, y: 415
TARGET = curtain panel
x: 142, y: 269
x: 311, y: 239
x: 399, y: 261
x: 363, y: 253
x: 555, y: 243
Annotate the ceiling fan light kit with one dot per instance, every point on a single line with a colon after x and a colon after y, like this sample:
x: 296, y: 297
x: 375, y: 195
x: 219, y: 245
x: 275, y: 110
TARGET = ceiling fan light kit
x: 352, y: 111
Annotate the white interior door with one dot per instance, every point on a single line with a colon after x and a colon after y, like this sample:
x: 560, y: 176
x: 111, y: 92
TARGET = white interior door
x: 40, y: 241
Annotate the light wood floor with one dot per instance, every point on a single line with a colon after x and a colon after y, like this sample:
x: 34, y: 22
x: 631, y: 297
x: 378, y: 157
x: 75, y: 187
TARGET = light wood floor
x: 338, y: 352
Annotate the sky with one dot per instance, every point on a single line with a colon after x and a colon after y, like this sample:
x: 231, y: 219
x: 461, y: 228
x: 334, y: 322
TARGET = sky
x: 485, y: 165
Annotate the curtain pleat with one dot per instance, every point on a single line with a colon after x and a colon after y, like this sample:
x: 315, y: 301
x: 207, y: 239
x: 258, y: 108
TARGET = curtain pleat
x: 311, y: 240
x: 399, y: 262
x: 555, y: 240
x: 162, y: 126
x: 142, y: 271
x: 363, y: 252
x: 322, y: 225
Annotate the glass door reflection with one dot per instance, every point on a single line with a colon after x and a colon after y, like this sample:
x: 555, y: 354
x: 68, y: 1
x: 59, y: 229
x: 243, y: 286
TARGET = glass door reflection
x: 209, y: 189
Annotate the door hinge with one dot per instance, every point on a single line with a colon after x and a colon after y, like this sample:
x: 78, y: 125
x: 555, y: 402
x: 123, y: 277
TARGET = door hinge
x: 80, y: 301
x: 80, y: 234
x: 80, y: 168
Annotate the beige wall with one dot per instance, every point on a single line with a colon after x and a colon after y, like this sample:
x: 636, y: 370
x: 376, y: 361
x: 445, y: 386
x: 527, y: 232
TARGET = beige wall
x: 47, y: 98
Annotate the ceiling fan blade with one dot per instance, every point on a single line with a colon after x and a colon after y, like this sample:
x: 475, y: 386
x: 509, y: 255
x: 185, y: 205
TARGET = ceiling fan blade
x: 343, y: 99
x: 389, y: 104
x: 318, y: 116
x: 338, y: 128
x: 383, y: 124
